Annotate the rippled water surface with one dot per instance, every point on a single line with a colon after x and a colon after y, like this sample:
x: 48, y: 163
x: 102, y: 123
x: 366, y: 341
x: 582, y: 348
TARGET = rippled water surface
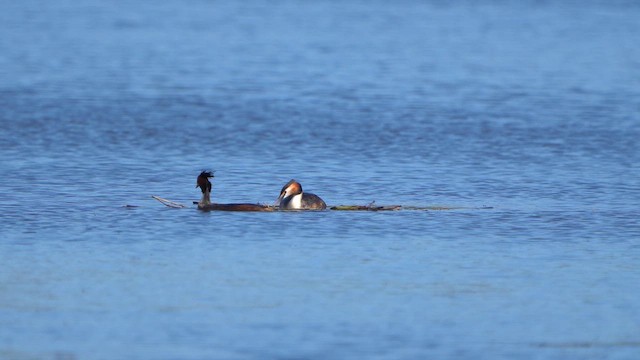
x: 524, y: 117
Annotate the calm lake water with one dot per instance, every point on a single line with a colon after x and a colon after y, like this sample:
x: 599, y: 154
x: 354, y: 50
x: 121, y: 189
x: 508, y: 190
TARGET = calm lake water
x: 529, y: 108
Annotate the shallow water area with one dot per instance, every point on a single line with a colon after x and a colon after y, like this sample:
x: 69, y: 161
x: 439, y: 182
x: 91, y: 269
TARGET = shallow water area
x: 521, y: 119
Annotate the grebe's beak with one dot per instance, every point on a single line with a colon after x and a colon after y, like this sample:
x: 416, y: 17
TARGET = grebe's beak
x: 282, y: 194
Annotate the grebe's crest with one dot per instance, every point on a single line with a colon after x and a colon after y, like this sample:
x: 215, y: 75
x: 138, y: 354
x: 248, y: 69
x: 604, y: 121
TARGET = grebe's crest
x: 203, y: 181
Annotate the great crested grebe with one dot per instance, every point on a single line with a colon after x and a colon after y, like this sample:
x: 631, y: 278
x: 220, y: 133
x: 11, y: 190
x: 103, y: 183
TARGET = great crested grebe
x: 205, y: 203
x: 292, y: 198
x: 205, y: 185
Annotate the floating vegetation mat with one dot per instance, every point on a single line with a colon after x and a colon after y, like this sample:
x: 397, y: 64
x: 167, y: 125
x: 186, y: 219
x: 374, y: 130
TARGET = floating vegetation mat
x: 262, y: 207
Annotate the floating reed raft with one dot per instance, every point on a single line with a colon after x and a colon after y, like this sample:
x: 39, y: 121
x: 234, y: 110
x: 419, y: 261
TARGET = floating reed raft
x: 267, y: 208
x: 372, y: 207
x: 369, y: 207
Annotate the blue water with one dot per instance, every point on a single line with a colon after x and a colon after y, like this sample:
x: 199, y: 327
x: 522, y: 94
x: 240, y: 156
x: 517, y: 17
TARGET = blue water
x: 529, y: 108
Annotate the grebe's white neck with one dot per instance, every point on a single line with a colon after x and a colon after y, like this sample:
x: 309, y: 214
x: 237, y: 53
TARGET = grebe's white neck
x: 206, y: 199
x: 296, y: 201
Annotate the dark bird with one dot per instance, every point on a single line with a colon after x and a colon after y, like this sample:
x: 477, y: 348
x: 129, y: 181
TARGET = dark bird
x: 205, y: 186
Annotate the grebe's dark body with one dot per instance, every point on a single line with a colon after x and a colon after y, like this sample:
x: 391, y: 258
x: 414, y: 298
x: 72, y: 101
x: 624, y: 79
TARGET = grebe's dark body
x: 236, y: 207
x: 205, y: 203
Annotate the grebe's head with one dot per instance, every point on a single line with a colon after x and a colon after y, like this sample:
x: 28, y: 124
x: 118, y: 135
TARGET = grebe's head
x: 203, y: 181
x: 291, y: 188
